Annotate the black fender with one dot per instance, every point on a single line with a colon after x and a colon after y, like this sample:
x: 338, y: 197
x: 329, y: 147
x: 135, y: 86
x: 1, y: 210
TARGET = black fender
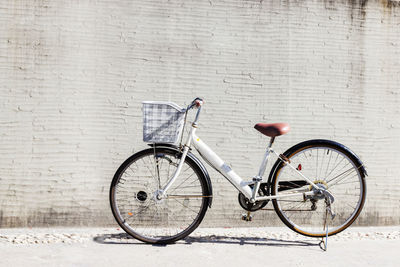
x: 352, y: 155
x: 201, y: 166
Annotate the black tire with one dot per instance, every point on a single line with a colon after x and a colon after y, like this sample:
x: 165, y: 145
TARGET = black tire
x: 328, y: 164
x: 138, y: 211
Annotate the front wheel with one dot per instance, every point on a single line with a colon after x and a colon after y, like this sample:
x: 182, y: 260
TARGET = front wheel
x: 136, y: 203
x: 330, y: 166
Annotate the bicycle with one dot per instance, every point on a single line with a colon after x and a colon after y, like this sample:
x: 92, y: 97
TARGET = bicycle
x: 161, y: 194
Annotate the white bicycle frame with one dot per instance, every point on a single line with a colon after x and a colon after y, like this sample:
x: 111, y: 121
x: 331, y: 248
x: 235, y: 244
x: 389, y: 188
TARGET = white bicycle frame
x: 243, y: 186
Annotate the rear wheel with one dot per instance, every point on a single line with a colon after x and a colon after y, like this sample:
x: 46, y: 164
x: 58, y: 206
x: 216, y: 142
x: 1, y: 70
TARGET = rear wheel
x: 137, y: 207
x: 331, y: 166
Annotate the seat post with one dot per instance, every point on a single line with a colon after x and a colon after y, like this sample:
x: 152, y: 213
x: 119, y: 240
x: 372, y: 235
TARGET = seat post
x: 258, y: 178
x: 271, y: 141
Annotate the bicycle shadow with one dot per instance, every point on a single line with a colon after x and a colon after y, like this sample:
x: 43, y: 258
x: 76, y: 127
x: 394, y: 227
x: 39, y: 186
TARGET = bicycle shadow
x: 123, y: 238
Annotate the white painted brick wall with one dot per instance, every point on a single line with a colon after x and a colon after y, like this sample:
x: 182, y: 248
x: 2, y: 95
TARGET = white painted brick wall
x: 73, y: 75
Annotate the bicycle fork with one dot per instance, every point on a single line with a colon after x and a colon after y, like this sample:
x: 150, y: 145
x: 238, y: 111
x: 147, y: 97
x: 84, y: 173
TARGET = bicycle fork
x: 162, y: 192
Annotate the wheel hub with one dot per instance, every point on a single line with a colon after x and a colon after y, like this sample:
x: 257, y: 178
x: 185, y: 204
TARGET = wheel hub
x: 318, y: 193
x: 141, y: 196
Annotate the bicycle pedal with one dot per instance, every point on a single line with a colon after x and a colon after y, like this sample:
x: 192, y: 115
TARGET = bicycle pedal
x: 247, y: 217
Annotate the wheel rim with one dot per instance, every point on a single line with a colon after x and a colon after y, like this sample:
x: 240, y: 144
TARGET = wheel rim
x: 332, y: 169
x: 148, y: 218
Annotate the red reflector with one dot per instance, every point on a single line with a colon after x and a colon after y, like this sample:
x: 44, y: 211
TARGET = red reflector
x: 299, y: 167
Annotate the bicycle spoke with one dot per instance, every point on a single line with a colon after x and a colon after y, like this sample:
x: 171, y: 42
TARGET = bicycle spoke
x: 148, y: 169
x: 173, y: 189
x: 316, y: 169
x: 186, y: 196
x: 334, y: 168
x: 327, y: 167
x: 194, y: 211
x: 322, y: 164
x: 347, y: 172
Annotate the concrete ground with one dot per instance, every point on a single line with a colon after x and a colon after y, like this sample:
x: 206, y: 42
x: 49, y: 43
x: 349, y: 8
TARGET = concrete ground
x: 377, y: 246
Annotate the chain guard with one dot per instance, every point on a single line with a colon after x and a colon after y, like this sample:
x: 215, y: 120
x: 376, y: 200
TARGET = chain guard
x: 247, y: 205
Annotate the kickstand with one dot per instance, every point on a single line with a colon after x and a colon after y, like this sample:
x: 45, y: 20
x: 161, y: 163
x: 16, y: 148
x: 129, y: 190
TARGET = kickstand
x: 324, y: 243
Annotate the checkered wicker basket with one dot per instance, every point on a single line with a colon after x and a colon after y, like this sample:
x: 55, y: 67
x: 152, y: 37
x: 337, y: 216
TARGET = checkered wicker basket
x: 162, y: 122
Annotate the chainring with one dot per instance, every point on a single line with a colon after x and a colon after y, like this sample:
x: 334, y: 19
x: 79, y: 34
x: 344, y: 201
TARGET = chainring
x: 247, y: 205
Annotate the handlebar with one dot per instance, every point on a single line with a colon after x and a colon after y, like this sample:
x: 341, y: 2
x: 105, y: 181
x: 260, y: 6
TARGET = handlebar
x: 197, y: 102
